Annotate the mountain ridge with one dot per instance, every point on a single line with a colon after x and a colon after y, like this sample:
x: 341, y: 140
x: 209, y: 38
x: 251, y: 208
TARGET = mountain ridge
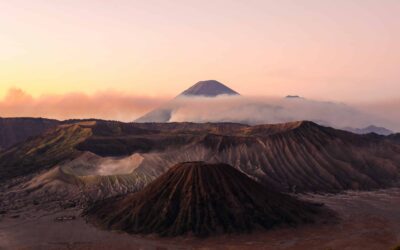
x: 15, y: 130
x: 296, y: 157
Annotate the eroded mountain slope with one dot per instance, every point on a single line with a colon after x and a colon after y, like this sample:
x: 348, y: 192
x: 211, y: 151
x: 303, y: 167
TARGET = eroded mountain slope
x: 297, y: 156
x: 42, y: 152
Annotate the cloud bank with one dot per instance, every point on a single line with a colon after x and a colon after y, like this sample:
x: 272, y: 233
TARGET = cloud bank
x: 113, y: 105
x: 103, y: 105
x: 261, y: 110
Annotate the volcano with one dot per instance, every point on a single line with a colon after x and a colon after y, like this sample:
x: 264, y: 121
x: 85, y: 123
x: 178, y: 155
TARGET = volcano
x: 200, y: 199
x: 210, y: 88
x: 212, y: 101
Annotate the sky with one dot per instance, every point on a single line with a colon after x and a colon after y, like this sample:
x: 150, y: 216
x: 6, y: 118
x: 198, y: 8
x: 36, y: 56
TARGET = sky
x: 342, y: 50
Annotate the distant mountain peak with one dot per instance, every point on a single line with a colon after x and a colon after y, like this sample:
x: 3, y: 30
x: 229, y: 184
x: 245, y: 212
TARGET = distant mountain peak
x: 208, y: 88
x: 370, y: 129
x: 294, y: 97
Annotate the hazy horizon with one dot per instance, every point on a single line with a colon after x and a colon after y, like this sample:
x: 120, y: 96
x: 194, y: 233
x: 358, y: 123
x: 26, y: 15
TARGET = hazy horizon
x: 345, y: 51
x: 114, y: 105
x: 119, y: 60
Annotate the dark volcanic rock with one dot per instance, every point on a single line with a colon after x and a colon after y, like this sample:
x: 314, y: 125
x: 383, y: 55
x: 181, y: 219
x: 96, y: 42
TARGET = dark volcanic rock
x: 65, y: 218
x: 200, y: 199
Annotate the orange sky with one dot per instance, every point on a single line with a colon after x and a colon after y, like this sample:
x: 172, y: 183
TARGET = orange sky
x: 334, y: 50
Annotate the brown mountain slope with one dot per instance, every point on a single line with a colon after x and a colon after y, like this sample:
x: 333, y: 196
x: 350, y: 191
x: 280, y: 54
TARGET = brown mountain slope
x: 15, y: 130
x: 42, y: 152
x: 200, y: 199
x: 297, y: 156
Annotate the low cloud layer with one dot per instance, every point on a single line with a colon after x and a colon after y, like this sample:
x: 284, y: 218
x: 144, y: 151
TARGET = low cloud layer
x: 257, y: 110
x: 388, y: 110
x: 104, y: 105
x: 250, y: 110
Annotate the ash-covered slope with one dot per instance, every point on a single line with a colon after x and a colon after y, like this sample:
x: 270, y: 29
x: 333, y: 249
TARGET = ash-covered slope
x: 15, y: 130
x: 201, y: 199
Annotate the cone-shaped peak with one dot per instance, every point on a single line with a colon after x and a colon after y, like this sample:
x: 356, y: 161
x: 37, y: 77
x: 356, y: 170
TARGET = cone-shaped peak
x: 209, y: 88
x: 201, y: 199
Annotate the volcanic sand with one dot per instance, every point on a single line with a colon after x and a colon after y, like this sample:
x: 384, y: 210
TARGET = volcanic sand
x: 368, y: 220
